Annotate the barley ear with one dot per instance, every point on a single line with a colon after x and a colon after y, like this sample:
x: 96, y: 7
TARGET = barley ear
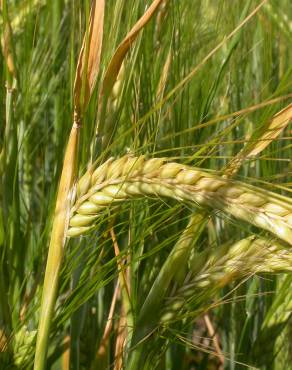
x: 213, y: 269
x: 158, y: 178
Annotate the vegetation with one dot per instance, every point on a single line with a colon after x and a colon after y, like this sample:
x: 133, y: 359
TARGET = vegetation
x: 145, y: 203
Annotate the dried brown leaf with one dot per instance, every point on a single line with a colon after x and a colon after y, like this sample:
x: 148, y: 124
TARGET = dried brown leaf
x: 89, y: 58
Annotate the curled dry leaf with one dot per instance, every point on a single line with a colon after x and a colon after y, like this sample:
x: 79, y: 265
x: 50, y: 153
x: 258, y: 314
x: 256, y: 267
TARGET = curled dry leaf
x: 89, y: 58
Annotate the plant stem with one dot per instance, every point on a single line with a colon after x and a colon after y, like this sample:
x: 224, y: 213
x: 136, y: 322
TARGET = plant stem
x: 56, y: 248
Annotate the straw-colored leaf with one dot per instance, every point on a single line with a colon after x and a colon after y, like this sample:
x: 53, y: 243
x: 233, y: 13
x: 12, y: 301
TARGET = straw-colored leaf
x: 121, y: 51
x: 89, y: 58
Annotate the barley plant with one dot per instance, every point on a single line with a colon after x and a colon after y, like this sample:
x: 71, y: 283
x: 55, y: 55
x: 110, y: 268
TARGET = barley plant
x: 145, y: 192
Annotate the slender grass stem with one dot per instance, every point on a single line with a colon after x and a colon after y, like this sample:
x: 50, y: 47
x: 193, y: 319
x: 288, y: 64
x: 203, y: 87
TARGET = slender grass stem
x: 56, y: 249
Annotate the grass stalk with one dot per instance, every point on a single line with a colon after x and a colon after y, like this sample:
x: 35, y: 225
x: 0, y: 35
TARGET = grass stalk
x: 56, y: 248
